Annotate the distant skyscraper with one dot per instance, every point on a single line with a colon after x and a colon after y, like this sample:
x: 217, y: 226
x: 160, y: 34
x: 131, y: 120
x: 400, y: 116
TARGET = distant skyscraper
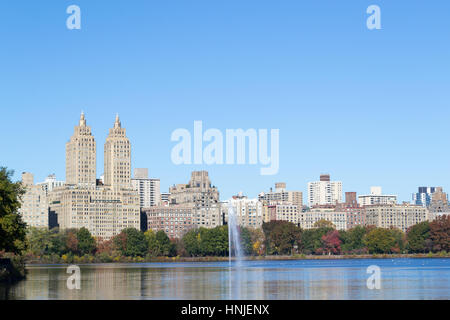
x: 117, y: 158
x: 424, y: 196
x: 148, y: 189
x: 324, y: 192
x: 81, y: 156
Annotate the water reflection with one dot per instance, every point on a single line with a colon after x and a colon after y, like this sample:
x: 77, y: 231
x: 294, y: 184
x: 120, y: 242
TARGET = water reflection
x: 324, y: 280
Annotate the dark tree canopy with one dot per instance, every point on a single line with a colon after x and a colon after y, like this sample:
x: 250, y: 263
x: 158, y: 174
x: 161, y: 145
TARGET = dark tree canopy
x: 12, y: 227
x: 440, y: 233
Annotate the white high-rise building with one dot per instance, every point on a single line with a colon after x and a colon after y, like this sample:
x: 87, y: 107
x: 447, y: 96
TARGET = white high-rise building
x: 324, y: 192
x: 147, y: 188
x: 51, y: 183
x: 376, y: 197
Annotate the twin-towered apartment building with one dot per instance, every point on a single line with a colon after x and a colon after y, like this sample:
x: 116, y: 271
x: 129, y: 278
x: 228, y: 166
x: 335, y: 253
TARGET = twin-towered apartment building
x: 117, y: 201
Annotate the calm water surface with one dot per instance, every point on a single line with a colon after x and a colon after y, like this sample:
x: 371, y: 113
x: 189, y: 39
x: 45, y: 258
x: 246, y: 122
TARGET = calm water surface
x: 255, y: 280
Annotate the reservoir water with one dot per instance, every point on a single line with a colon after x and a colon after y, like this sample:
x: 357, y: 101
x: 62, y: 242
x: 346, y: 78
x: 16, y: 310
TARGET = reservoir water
x: 414, y: 279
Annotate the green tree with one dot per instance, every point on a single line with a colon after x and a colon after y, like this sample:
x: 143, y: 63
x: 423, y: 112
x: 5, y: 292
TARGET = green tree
x: 400, y: 240
x: 154, y: 249
x: 418, y: 237
x: 311, y: 240
x: 379, y: 240
x: 131, y: 243
x: 353, y: 240
x: 86, y: 243
x: 167, y: 248
x: 191, y: 242
x: 12, y: 227
x: 213, y: 242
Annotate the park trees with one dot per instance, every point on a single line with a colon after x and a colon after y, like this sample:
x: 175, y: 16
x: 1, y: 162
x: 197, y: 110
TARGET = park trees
x: 440, y: 233
x: 131, y: 243
x: 331, y: 243
x: 12, y: 227
x: 191, y: 242
x: 86, y: 243
x: 379, y: 240
x: 311, y: 239
x: 418, y: 238
x: 353, y: 240
x: 206, y: 242
x: 281, y: 237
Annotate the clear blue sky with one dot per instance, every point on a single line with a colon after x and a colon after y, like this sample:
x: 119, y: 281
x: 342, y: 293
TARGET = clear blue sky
x: 368, y: 107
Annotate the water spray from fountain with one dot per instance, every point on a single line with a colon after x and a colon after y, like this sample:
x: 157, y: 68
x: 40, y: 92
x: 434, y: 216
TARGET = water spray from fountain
x: 234, y: 239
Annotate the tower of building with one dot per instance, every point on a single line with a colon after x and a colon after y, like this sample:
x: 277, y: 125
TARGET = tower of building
x: 117, y: 158
x: 81, y: 156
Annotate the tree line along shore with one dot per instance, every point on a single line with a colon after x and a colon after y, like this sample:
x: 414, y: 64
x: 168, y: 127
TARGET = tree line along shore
x: 275, y: 241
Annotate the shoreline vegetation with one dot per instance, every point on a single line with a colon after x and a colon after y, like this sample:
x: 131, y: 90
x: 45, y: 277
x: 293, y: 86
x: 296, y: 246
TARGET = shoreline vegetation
x: 179, y: 259
x: 12, y: 269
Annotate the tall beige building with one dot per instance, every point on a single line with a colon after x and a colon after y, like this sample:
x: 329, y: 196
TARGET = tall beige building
x: 81, y: 156
x: 117, y: 158
x: 34, y: 208
x: 105, y: 210
x: 203, y: 196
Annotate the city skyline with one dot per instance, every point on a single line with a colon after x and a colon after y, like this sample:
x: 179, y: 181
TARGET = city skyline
x: 324, y: 177
x: 369, y: 107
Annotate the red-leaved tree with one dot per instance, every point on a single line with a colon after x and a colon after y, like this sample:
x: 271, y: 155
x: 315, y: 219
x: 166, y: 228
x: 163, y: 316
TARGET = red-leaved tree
x: 440, y: 233
x: 331, y: 243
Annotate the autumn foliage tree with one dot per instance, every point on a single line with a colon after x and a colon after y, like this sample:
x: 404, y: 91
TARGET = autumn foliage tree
x: 440, y: 233
x: 281, y: 237
x: 331, y: 243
